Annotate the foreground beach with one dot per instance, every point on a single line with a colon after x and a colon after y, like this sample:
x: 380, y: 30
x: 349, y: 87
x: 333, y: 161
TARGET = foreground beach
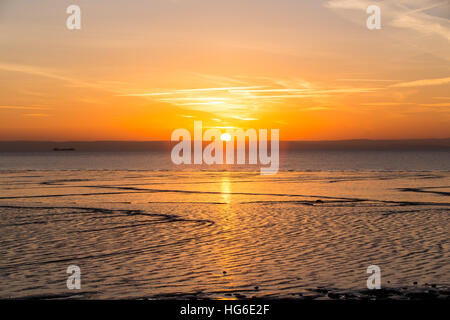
x: 216, y: 235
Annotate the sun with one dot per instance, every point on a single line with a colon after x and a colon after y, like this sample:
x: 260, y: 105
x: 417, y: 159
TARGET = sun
x: 225, y: 137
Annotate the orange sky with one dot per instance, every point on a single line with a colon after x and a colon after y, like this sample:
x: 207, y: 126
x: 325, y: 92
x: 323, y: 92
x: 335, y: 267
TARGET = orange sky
x: 137, y: 70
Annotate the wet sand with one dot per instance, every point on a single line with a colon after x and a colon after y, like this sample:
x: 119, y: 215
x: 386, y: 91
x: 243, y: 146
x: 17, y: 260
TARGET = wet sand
x: 232, y: 235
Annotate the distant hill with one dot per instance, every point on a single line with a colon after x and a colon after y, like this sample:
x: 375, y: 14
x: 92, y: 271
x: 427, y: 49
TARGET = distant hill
x: 141, y: 146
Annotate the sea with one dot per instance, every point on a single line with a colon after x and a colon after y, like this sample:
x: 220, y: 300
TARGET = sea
x: 139, y: 227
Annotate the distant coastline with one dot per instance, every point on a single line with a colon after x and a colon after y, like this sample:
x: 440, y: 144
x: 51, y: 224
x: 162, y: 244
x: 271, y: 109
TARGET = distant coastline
x: 146, y: 146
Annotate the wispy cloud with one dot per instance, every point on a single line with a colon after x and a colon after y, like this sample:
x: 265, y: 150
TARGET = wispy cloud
x: 57, y: 75
x: 174, y: 92
x: 24, y: 108
x: 267, y: 90
x: 444, y: 104
x: 347, y: 4
x: 423, y: 82
x: 37, y: 115
x: 255, y: 94
x: 209, y: 99
x: 243, y: 118
x: 407, y: 14
x: 32, y: 70
x: 382, y: 104
x: 210, y: 103
x: 422, y: 23
x: 366, y: 80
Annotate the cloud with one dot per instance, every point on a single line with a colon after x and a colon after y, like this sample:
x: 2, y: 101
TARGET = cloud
x: 243, y: 118
x: 24, y: 108
x: 436, y: 104
x: 36, y: 115
x: 267, y: 90
x: 31, y: 70
x: 424, y: 23
x: 210, y: 103
x: 208, y: 99
x: 422, y: 83
x: 366, y: 80
x: 347, y: 4
x: 52, y: 74
x: 173, y: 92
x: 381, y: 104
x: 254, y: 94
x: 413, y: 15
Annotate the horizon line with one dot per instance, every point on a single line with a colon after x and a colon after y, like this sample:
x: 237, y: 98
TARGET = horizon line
x: 324, y: 140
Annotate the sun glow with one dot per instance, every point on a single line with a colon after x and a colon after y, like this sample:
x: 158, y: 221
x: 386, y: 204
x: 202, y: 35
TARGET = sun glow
x: 225, y: 137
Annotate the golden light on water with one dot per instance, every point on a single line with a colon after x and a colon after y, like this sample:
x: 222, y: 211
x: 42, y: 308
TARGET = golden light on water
x: 225, y: 187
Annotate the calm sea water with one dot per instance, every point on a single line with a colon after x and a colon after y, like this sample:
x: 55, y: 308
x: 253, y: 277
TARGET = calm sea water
x: 139, y: 227
x: 297, y: 161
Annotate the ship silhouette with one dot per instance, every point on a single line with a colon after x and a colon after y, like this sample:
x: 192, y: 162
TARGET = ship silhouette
x: 63, y: 149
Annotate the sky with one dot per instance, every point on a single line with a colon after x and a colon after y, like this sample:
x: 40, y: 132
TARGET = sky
x: 138, y: 70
